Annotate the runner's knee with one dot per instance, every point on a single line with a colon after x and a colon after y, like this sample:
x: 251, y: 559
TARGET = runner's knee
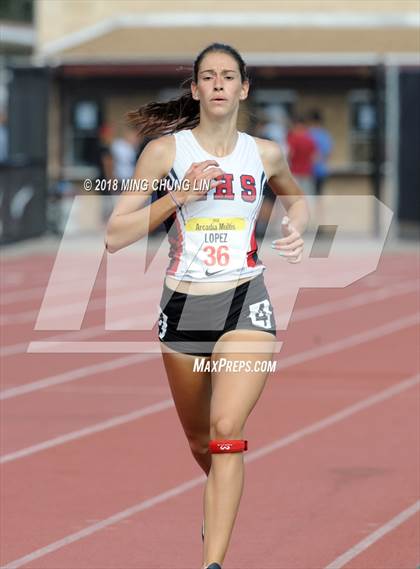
x: 225, y: 428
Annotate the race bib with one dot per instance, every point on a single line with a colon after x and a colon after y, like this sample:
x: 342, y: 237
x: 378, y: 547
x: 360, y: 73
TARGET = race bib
x: 215, y: 224
x: 218, y: 242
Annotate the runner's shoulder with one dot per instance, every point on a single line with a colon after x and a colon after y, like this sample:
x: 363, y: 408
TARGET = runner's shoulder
x: 271, y: 154
x: 161, y: 151
x: 269, y: 149
x: 161, y: 146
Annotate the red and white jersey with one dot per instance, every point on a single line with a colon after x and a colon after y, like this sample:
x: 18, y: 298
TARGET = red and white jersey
x: 213, y: 239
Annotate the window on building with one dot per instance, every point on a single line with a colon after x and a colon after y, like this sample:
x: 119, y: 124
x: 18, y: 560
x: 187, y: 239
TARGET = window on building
x: 82, y: 142
x: 16, y: 10
x: 362, y: 126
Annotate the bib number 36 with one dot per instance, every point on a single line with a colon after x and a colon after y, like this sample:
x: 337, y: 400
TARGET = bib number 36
x: 216, y: 255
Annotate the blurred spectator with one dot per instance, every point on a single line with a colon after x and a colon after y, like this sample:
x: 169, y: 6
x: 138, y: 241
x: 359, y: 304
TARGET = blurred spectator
x: 324, y: 143
x: 265, y: 129
x: 273, y: 125
x: 105, y: 160
x: 105, y: 164
x: 4, y: 143
x: 60, y: 199
x: 122, y: 160
x: 301, y: 154
x: 124, y: 154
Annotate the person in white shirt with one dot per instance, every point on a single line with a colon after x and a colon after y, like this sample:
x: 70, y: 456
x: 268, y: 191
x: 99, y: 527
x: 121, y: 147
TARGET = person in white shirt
x: 124, y: 154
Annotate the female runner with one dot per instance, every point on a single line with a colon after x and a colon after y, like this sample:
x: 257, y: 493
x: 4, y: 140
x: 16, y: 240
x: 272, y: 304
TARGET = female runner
x: 214, y: 302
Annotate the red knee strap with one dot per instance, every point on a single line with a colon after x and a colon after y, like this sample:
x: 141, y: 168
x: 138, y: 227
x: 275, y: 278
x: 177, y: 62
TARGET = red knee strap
x: 221, y: 446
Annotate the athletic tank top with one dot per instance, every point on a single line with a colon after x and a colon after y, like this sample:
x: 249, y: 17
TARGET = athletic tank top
x: 213, y: 239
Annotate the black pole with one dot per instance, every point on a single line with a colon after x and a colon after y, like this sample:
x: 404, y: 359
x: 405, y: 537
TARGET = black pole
x: 378, y: 150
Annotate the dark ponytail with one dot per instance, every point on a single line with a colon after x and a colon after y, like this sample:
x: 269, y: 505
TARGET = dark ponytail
x: 156, y: 119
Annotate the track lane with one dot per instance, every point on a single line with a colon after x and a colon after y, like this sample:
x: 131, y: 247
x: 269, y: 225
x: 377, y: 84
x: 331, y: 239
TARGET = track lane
x: 398, y: 548
x: 305, y: 516
x: 16, y: 414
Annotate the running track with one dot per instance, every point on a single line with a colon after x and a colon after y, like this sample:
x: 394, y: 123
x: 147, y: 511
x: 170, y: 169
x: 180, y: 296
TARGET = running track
x: 332, y: 475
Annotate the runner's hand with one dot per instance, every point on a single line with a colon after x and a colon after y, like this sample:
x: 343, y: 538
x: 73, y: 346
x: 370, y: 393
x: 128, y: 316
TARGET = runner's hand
x: 291, y: 245
x: 198, y: 180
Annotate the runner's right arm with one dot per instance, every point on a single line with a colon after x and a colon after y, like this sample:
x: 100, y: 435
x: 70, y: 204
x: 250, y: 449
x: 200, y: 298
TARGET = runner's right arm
x: 132, y: 219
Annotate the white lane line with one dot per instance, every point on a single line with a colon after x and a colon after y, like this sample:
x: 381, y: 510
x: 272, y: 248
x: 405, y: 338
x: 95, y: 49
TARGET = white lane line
x: 124, y: 299
x: 72, y: 375
x: 350, y: 341
x: 75, y: 280
x: 119, y: 299
x: 120, y: 516
x: 141, y: 347
x: 97, y: 428
x: 383, y: 395
x: 355, y: 300
x: 298, y: 315
x: 153, y: 348
x: 143, y: 322
x: 375, y: 536
x: 92, y: 332
x: 186, y: 486
x: 282, y: 364
x: 65, y: 309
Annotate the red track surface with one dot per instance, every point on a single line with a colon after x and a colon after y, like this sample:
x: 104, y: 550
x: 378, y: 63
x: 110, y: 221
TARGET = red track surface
x: 308, y: 499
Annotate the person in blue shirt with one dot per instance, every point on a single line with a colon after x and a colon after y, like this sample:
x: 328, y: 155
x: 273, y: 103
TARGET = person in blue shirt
x: 324, y: 144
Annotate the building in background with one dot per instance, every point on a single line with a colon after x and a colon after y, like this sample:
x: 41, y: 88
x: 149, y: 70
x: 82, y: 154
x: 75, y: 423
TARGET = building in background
x: 356, y: 62
x: 22, y: 167
x: 17, y: 40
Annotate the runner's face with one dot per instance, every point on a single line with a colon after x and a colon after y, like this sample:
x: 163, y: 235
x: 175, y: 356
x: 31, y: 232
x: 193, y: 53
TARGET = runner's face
x: 219, y: 87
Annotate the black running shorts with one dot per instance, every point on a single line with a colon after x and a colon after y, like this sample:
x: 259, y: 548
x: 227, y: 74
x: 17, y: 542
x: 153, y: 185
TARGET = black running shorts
x: 192, y: 324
